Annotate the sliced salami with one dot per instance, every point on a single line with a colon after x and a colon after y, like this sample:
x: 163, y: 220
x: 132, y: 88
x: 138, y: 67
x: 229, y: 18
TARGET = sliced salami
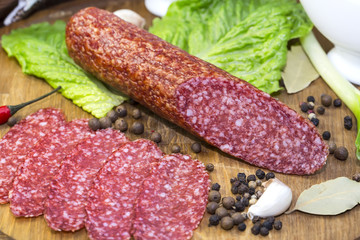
x: 111, y: 201
x: 65, y: 205
x: 20, y: 139
x: 33, y: 177
x: 173, y: 199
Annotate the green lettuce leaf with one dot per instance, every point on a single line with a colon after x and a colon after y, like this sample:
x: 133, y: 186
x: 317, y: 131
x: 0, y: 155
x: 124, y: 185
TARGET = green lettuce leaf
x: 246, y: 38
x: 41, y: 51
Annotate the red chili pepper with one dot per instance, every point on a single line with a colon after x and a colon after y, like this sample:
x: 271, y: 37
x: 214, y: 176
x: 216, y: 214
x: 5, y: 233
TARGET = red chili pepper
x: 7, y: 111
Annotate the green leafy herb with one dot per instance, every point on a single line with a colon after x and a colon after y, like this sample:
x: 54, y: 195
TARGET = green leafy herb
x: 329, y: 198
x: 41, y: 51
x: 348, y: 93
x: 245, y: 38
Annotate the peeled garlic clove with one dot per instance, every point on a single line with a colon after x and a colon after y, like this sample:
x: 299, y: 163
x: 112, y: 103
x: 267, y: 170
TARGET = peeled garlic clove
x: 275, y: 200
x: 131, y: 17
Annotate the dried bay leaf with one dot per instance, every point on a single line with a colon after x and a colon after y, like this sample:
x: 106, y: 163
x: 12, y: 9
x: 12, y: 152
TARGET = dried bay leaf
x: 298, y: 72
x: 329, y: 198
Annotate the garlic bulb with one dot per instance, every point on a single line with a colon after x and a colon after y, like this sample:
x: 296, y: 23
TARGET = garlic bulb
x: 131, y: 17
x: 275, y: 200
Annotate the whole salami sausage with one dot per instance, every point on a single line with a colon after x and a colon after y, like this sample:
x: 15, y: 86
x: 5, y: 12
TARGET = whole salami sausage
x: 225, y: 111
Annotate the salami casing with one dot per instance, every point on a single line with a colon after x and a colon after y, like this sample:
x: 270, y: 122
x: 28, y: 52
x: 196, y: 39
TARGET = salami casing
x: 19, y: 140
x: 65, y: 204
x: 31, y: 184
x: 112, y: 199
x: 225, y: 111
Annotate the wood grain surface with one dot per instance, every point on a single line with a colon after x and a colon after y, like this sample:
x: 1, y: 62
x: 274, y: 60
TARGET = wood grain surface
x: 15, y: 87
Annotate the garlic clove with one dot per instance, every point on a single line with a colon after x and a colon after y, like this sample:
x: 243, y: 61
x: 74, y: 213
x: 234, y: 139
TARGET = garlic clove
x: 275, y: 200
x: 131, y: 17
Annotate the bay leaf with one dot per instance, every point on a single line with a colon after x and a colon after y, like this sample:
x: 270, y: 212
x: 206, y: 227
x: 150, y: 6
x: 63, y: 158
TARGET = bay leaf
x: 298, y: 72
x: 329, y: 198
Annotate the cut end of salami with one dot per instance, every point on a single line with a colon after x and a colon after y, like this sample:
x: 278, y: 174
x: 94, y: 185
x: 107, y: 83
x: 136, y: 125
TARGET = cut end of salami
x: 251, y: 125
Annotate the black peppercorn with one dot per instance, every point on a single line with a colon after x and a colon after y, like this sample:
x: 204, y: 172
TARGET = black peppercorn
x: 255, y: 219
x: 105, y: 122
x: 337, y: 103
x: 113, y: 115
x: 234, y: 190
x: 175, y: 148
x: 137, y: 128
x: 121, y: 124
x: 264, y: 231
x: 221, y: 212
x: 215, y: 187
x: 356, y: 177
x: 241, y: 177
x: 245, y: 202
x: 209, y: 167
x: 269, y: 175
x: 320, y: 110
x: 332, y: 147
x: 243, y: 189
x: 341, y: 153
x: 236, y: 183
x: 260, y: 174
x: 268, y: 225
x: 251, y: 177
x: 251, y: 191
x: 94, y: 123
x: 227, y: 223
x: 304, y: 107
x: 315, y: 121
x: 228, y: 202
x: 348, y: 122
x: 242, y: 227
x: 255, y: 229
x: 214, y: 196
x: 310, y: 99
x: 214, y: 220
x: 238, y: 198
x: 239, y: 207
x: 232, y: 180
x: 196, y: 147
x: 271, y: 219
x: 155, y: 137
x: 211, y: 207
x: 311, y: 105
x: 277, y: 224
x: 326, y: 135
x: 326, y: 100
x: 121, y: 111
x: 136, y: 113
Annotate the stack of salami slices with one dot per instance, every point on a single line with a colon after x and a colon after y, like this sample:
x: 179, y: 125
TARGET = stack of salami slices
x: 100, y: 180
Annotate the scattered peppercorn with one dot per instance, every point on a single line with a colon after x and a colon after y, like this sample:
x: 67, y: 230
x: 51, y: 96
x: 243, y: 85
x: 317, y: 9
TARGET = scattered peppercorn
x: 105, y: 122
x: 255, y: 229
x: 251, y: 177
x: 196, y: 147
x: 332, y: 147
x: 238, y: 198
x: 94, y: 124
x: 121, y: 124
x: 245, y: 202
x: 13, y: 120
x: 214, y: 220
x: 260, y: 174
x: 113, y: 115
x: 259, y: 182
x: 136, y: 113
x: 258, y: 194
x: 228, y: 202
x: 356, y: 177
x: 238, y: 218
x: 234, y: 190
x: 155, y: 137
x: 315, y: 121
x: 311, y: 116
x: 264, y: 231
x: 341, y: 153
x: 304, y: 107
x: 252, y: 184
x: 239, y: 206
x: 348, y: 122
x: 211, y: 207
x: 326, y: 135
x: 227, y: 223
x: 326, y: 100
x: 137, y: 128
x: 232, y: 180
x: 268, y: 225
x: 209, y: 167
x: 252, y: 201
x: 242, y: 227
x: 221, y: 212
x: 269, y: 175
x: 243, y: 189
x: 251, y: 190
x: 311, y: 105
x: 255, y: 219
x: 236, y: 183
x: 247, y: 195
x: 310, y: 99
x: 277, y: 224
x: 337, y: 103
x: 121, y: 110
x: 271, y: 219
x: 175, y: 148
x: 320, y: 110
x: 241, y: 176
x: 215, y: 187
x: 214, y: 196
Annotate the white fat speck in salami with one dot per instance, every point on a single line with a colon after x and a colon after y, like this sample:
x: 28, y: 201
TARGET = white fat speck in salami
x: 20, y: 139
x: 110, y: 206
x: 31, y: 184
x: 65, y: 204
x: 173, y: 199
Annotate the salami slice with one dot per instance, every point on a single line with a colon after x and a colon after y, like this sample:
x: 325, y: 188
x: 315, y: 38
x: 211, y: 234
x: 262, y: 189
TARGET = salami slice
x: 173, y: 199
x: 223, y: 110
x: 111, y: 201
x: 33, y: 177
x: 65, y: 205
x: 19, y: 140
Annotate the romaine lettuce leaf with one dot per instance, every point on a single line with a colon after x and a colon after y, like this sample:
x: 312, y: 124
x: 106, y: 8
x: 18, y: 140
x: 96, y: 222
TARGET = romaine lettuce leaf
x: 246, y: 38
x: 41, y: 51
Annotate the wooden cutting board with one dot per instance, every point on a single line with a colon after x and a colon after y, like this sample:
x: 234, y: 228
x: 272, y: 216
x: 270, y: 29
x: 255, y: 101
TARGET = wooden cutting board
x: 15, y: 87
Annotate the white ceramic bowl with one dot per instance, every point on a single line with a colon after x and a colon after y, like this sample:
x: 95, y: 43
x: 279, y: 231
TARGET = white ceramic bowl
x: 339, y: 21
